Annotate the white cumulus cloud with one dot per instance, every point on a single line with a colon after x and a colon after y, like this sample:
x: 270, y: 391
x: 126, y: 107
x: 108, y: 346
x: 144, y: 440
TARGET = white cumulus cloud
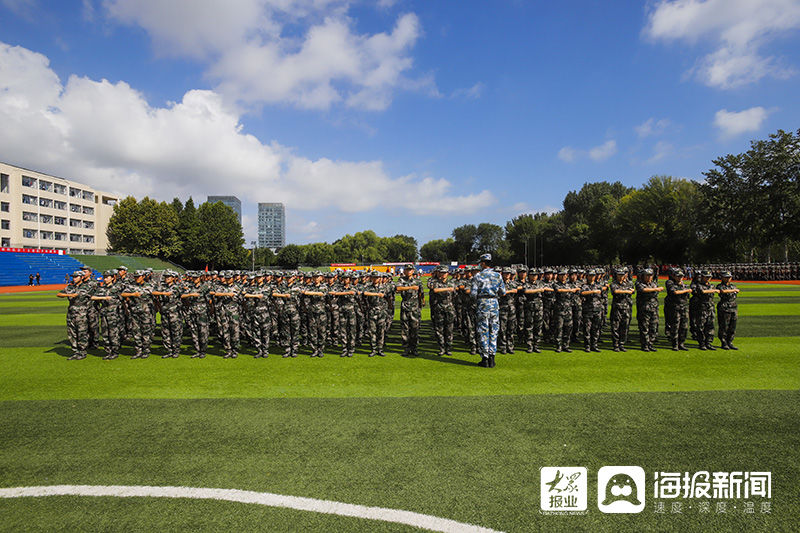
x: 107, y: 135
x: 303, y: 52
x: 569, y: 154
x: 732, y: 123
x: 737, y: 29
x: 652, y: 127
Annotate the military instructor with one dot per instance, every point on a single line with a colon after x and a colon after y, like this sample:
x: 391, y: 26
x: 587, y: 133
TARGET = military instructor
x: 487, y: 285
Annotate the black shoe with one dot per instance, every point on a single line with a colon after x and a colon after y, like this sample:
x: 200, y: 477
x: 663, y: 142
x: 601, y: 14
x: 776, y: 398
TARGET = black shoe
x: 166, y: 356
x: 595, y: 348
x: 381, y: 354
x: 373, y: 354
x: 448, y: 352
x: 675, y: 348
x: 484, y: 362
x: 473, y: 351
x: 536, y: 349
x: 703, y: 347
x: 558, y: 349
x: 616, y: 348
x: 724, y: 346
x: 587, y: 349
x: 491, y: 361
x: 683, y: 347
x: 710, y: 347
x: 622, y: 349
x: 732, y: 347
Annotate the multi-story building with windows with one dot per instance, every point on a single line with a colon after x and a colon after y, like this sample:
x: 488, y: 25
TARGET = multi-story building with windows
x: 42, y: 211
x: 271, y: 225
x: 230, y: 201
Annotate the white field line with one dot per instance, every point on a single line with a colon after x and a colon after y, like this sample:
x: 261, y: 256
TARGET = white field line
x: 423, y: 521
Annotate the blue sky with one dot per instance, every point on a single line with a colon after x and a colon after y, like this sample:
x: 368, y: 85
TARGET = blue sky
x: 401, y: 117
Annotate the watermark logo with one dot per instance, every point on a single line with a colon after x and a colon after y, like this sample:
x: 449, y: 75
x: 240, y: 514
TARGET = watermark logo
x: 563, y: 489
x: 620, y: 489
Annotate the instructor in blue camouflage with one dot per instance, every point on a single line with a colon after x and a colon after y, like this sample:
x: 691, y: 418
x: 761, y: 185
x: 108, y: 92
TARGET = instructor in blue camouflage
x: 487, y: 285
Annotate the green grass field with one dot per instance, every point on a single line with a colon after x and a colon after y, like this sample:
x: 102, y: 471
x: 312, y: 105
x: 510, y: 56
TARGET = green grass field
x: 438, y: 436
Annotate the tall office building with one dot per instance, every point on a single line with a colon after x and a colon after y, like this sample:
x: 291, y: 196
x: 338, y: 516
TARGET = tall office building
x: 230, y: 201
x: 38, y: 210
x: 271, y: 225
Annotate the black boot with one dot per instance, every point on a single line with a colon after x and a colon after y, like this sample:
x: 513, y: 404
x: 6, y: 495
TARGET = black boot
x: 491, y: 361
x: 484, y: 362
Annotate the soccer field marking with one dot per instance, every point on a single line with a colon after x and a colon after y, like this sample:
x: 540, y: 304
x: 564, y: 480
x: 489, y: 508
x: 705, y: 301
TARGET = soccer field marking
x: 399, y: 516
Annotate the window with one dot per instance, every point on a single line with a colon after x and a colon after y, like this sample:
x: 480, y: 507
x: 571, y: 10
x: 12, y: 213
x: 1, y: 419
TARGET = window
x: 88, y: 238
x: 29, y: 217
x: 88, y: 195
x: 45, y: 185
x: 60, y: 189
x: 88, y: 252
x: 88, y: 225
x: 60, y: 205
x: 28, y: 181
x: 58, y: 236
x: 28, y: 199
x: 5, y: 224
x: 75, y: 208
x: 88, y: 210
x: 5, y: 207
x: 75, y: 193
x: 29, y: 233
x: 75, y: 223
x: 75, y: 237
x: 48, y: 235
x: 60, y: 221
x: 3, y: 182
x: 5, y: 242
x: 45, y: 202
x: 46, y: 219
x: 75, y: 251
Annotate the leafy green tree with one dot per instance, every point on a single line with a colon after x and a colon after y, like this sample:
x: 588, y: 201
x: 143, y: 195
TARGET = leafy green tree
x: 318, y: 254
x: 145, y: 228
x: 220, y: 240
x: 264, y: 257
x: 400, y: 248
x: 290, y: 256
x: 661, y: 219
x: 590, y: 217
x: 437, y: 250
x: 465, y: 240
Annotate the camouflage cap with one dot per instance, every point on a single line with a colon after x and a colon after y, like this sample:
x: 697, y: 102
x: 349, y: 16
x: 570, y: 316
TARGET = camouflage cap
x: 620, y: 271
x: 705, y: 273
x: 591, y: 272
x: 522, y: 268
x: 77, y: 274
x: 725, y: 274
x: 563, y: 272
x: 647, y: 272
x: 678, y: 273
x: 122, y: 267
x: 107, y: 274
x: 486, y: 257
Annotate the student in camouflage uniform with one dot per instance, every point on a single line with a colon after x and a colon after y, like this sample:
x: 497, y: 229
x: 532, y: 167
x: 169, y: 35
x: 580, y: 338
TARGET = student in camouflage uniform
x: 678, y: 316
x: 704, y: 321
x: 347, y: 304
x: 441, y: 292
x: 226, y: 302
x: 522, y: 279
x: 169, y: 298
x: 315, y: 295
x: 390, y: 289
x: 332, y: 307
x: 261, y: 294
x: 592, y: 311
x: 727, y: 311
x: 195, y: 308
x: 127, y: 327
x: 289, y: 293
x: 562, y: 311
x: 109, y: 303
x: 507, y: 304
x: 79, y: 295
x: 138, y: 299
x: 621, y: 304
x: 548, y: 302
x: 376, y: 314
x: 647, y: 290
x: 93, y: 318
x: 575, y: 280
x: 534, y: 310
x: 412, y: 299
x: 486, y: 287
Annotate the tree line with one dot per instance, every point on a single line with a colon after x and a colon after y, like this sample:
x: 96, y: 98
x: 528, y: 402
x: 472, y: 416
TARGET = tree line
x: 747, y: 209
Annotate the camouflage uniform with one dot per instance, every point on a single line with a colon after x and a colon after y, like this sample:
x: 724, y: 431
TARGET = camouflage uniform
x: 290, y: 318
x: 577, y: 308
x: 443, y: 313
x: 142, y: 317
x: 487, y: 286
x: 621, y: 305
x: 78, y: 317
x: 93, y: 317
x: 376, y: 318
x: 228, y: 310
x: 110, y: 316
x: 347, y: 306
x: 592, y: 313
x: 317, y: 318
x: 562, y: 316
x: 507, y: 304
x: 534, y: 315
x: 548, y: 302
x: 171, y: 318
x: 678, y: 316
x: 647, y: 314
x: 262, y: 319
x: 410, y: 314
x: 727, y: 312
x: 704, y: 318
x: 195, y: 309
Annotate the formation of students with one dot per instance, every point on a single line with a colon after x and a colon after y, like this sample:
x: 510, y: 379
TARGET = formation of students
x: 343, y: 309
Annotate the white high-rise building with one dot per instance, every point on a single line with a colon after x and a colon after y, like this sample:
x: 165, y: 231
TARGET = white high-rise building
x: 38, y: 210
x: 271, y: 225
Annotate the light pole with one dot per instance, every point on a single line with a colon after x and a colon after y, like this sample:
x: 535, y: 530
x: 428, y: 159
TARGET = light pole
x: 253, y: 244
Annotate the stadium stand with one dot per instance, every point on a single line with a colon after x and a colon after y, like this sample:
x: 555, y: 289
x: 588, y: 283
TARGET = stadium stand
x: 133, y: 262
x: 15, y: 268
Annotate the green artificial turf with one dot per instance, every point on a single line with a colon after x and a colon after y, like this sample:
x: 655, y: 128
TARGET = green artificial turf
x: 472, y: 459
x: 434, y: 435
